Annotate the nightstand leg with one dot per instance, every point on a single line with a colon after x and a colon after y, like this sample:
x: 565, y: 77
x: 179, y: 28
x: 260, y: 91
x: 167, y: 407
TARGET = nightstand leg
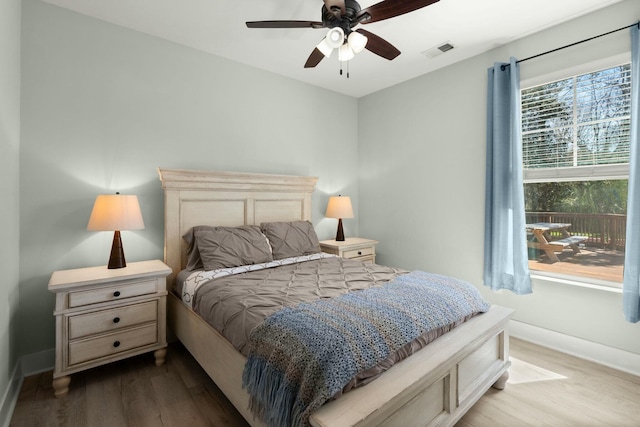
x: 160, y: 356
x: 61, y: 385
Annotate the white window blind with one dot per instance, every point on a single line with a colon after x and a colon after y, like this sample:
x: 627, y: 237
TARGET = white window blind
x: 578, y: 128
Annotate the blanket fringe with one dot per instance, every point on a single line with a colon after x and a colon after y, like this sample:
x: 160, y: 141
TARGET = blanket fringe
x: 272, y: 396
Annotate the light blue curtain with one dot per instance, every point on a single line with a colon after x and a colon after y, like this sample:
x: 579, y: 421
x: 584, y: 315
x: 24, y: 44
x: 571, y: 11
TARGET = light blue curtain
x: 631, y: 285
x: 505, y: 250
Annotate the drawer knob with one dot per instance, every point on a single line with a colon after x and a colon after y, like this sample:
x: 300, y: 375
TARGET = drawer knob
x: 116, y: 344
x: 116, y: 320
x: 359, y: 252
x: 116, y: 294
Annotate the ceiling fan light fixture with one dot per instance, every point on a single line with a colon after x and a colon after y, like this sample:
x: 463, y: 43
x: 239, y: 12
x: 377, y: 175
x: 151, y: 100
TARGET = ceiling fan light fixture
x: 345, y: 53
x: 357, y: 41
x: 324, y: 47
x: 335, y: 37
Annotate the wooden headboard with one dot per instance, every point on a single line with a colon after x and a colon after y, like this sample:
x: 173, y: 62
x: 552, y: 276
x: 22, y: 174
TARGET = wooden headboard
x: 226, y: 199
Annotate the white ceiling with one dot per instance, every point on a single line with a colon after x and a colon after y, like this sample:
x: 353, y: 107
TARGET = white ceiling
x: 218, y: 27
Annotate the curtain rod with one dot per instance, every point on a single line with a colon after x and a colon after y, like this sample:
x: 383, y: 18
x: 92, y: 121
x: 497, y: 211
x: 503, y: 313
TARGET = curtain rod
x: 502, y: 67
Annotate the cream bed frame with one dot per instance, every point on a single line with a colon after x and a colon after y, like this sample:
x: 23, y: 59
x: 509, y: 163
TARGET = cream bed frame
x: 435, y: 386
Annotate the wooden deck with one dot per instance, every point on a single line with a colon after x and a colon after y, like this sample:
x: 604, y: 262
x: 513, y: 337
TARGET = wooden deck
x: 590, y: 262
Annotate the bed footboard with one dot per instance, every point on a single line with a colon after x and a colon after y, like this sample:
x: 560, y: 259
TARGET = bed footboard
x: 436, y: 385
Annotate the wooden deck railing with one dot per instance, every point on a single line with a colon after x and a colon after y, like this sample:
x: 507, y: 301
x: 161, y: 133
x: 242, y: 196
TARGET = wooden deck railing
x: 606, y: 231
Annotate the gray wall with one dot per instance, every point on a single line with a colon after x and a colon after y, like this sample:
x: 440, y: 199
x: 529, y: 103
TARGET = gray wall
x: 9, y: 188
x: 423, y: 195
x: 103, y: 107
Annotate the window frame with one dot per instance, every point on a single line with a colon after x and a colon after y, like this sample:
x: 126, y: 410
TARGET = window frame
x: 577, y: 173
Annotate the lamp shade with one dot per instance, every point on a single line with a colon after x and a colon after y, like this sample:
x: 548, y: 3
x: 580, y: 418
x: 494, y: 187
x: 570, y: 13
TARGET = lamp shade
x: 324, y: 47
x: 357, y: 41
x: 345, y: 53
x: 113, y: 212
x: 335, y: 37
x: 339, y: 207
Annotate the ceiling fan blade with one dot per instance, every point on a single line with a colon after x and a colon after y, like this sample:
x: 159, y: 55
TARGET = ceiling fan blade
x: 285, y: 24
x: 379, y: 46
x: 390, y: 8
x: 314, y: 59
x: 336, y: 7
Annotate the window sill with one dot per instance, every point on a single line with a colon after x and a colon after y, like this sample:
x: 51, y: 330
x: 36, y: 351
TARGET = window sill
x: 581, y: 282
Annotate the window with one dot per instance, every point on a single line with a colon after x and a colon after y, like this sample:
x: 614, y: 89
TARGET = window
x: 575, y: 134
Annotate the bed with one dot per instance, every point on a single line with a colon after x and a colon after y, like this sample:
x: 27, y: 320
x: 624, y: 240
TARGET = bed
x: 434, y: 386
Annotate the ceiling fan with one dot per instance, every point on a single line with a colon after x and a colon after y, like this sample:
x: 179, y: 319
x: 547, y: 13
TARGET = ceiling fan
x: 341, y: 17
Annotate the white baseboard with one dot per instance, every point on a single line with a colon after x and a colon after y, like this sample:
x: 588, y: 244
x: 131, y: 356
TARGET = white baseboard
x: 30, y: 364
x: 621, y: 360
x: 10, y: 397
x: 41, y: 361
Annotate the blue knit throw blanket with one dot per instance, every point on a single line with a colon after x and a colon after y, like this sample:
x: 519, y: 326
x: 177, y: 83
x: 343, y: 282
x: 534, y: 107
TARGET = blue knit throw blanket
x: 303, y: 355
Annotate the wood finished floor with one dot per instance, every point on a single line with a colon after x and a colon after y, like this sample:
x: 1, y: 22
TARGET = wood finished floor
x: 546, y: 388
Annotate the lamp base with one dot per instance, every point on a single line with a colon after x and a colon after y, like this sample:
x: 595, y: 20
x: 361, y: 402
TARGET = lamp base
x: 340, y: 233
x: 116, y: 260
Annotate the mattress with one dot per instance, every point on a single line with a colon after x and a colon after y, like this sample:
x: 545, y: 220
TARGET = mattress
x: 235, y: 304
x: 239, y: 302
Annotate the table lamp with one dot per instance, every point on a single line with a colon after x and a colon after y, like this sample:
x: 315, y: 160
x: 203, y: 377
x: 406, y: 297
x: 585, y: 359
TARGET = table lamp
x: 339, y: 207
x: 116, y: 212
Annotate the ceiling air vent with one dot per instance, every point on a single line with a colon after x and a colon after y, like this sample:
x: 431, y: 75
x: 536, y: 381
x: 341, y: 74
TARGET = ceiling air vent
x: 438, y: 50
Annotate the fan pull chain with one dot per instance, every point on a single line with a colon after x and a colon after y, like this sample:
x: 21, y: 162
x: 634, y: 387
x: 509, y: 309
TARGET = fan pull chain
x: 347, y: 68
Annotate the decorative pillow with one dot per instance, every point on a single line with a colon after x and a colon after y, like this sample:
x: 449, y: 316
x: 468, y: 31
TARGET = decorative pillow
x: 224, y: 247
x: 290, y: 239
x: 194, y: 262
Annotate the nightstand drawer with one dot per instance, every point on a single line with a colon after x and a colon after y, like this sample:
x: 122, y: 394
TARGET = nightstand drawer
x: 115, y: 318
x: 355, y: 248
x: 355, y: 253
x: 107, y: 345
x: 114, y: 293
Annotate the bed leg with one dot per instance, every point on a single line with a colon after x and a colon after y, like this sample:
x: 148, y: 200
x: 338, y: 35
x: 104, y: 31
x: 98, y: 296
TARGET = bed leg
x: 501, y: 383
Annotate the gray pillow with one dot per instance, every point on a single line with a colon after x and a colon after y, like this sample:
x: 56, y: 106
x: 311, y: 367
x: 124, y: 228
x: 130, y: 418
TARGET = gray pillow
x: 194, y: 262
x: 290, y: 239
x: 224, y: 247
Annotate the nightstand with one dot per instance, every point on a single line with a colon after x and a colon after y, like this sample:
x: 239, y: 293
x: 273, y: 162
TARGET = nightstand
x: 103, y: 315
x: 352, y: 248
